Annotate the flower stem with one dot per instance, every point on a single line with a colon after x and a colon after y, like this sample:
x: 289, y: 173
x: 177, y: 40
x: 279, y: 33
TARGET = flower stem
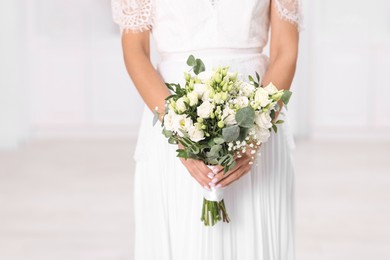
x: 214, y: 211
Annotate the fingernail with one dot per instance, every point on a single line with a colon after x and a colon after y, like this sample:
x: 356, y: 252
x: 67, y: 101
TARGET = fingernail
x: 206, y: 187
x: 210, y: 175
x: 218, y: 186
x: 211, y: 184
x: 215, y: 180
x: 215, y: 170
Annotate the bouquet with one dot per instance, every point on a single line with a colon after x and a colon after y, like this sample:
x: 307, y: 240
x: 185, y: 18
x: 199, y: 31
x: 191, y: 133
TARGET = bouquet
x: 217, y: 117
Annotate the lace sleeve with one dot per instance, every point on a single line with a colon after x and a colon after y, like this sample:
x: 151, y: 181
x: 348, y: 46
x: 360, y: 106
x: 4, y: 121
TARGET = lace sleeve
x: 291, y: 11
x: 133, y: 15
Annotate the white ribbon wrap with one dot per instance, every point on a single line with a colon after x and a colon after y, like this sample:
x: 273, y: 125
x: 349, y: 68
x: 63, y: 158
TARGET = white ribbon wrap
x: 215, y: 194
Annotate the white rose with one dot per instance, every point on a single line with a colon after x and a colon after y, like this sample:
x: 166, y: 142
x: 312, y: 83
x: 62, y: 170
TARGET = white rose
x: 241, y: 101
x: 208, y: 93
x: 205, y: 109
x: 180, y: 105
x: 218, y: 98
x: 193, y: 98
x: 271, y: 89
x: 199, y: 89
x: 169, y: 119
x: 262, y: 134
x: 175, y: 122
x: 195, y: 134
x: 229, y: 116
x: 205, y: 76
x: 247, y: 88
x: 263, y: 120
x: 183, y: 123
x: 261, y: 97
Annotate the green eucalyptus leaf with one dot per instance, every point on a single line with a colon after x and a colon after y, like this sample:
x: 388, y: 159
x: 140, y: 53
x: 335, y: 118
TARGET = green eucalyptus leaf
x: 279, y: 121
x: 218, y: 140
x: 243, y: 133
x: 213, y: 161
x: 214, y: 150
x: 286, y: 96
x: 245, y: 117
x: 167, y: 133
x: 172, y: 140
x: 155, y: 117
x: 231, y: 133
x: 191, y: 61
x: 210, y: 142
x: 199, y: 67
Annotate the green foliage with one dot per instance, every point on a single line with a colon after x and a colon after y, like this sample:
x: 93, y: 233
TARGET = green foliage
x: 167, y: 133
x: 216, y: 147
x: 286, y: 96
x: 172, y: 140
x: 177, y: 90
x: 227, y: 161
x: 245, y: 117
x: 257, y: 77
x: 191, y: 61
x: 196, y: 64
x: 214, y: 150
x: 230, y: 133
x: 275, y: 128
x: 251, y: 78
x: 218, y: 140
x: 155, y: 117
x: 243, y: 133
x: 272, y: 114
x: 254, y: 82
x: 199, y: 67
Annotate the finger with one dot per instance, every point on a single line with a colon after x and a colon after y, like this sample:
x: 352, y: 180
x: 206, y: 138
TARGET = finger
x: 200, y: 176
x: 194, y: 171
x: 222, y: 174
x: 239, y: 163
x: 217, y: 168
x: 209, y: 172
x: 234, y: 176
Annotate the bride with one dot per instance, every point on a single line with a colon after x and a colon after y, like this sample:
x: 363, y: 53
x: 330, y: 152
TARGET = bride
x: 168, y: 190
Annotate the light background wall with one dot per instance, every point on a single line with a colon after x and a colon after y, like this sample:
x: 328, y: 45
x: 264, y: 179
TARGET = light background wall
x: 62, y: 73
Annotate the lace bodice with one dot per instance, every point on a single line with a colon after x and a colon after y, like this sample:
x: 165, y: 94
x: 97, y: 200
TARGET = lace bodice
x: 185, y: 25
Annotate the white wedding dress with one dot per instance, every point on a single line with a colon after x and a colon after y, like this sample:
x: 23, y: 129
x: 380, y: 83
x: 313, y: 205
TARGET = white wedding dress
x: 168, y: 201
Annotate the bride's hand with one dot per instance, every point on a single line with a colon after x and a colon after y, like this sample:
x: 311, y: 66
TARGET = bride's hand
x: 199, y: 171
x: 243, y: 166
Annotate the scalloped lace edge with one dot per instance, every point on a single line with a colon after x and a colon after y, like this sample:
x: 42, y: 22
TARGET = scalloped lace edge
x: 133, y: 16
x: 293, y: 16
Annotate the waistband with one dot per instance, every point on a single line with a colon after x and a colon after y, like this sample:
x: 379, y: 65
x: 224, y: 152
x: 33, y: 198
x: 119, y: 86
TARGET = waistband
x: 211, y: 53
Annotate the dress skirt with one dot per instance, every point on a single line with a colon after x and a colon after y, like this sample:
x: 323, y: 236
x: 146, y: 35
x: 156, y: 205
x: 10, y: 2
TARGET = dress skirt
x: 168, y: 201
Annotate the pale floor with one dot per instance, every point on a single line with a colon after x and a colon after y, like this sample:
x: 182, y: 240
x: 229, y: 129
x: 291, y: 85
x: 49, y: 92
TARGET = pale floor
x: 72, y: 200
